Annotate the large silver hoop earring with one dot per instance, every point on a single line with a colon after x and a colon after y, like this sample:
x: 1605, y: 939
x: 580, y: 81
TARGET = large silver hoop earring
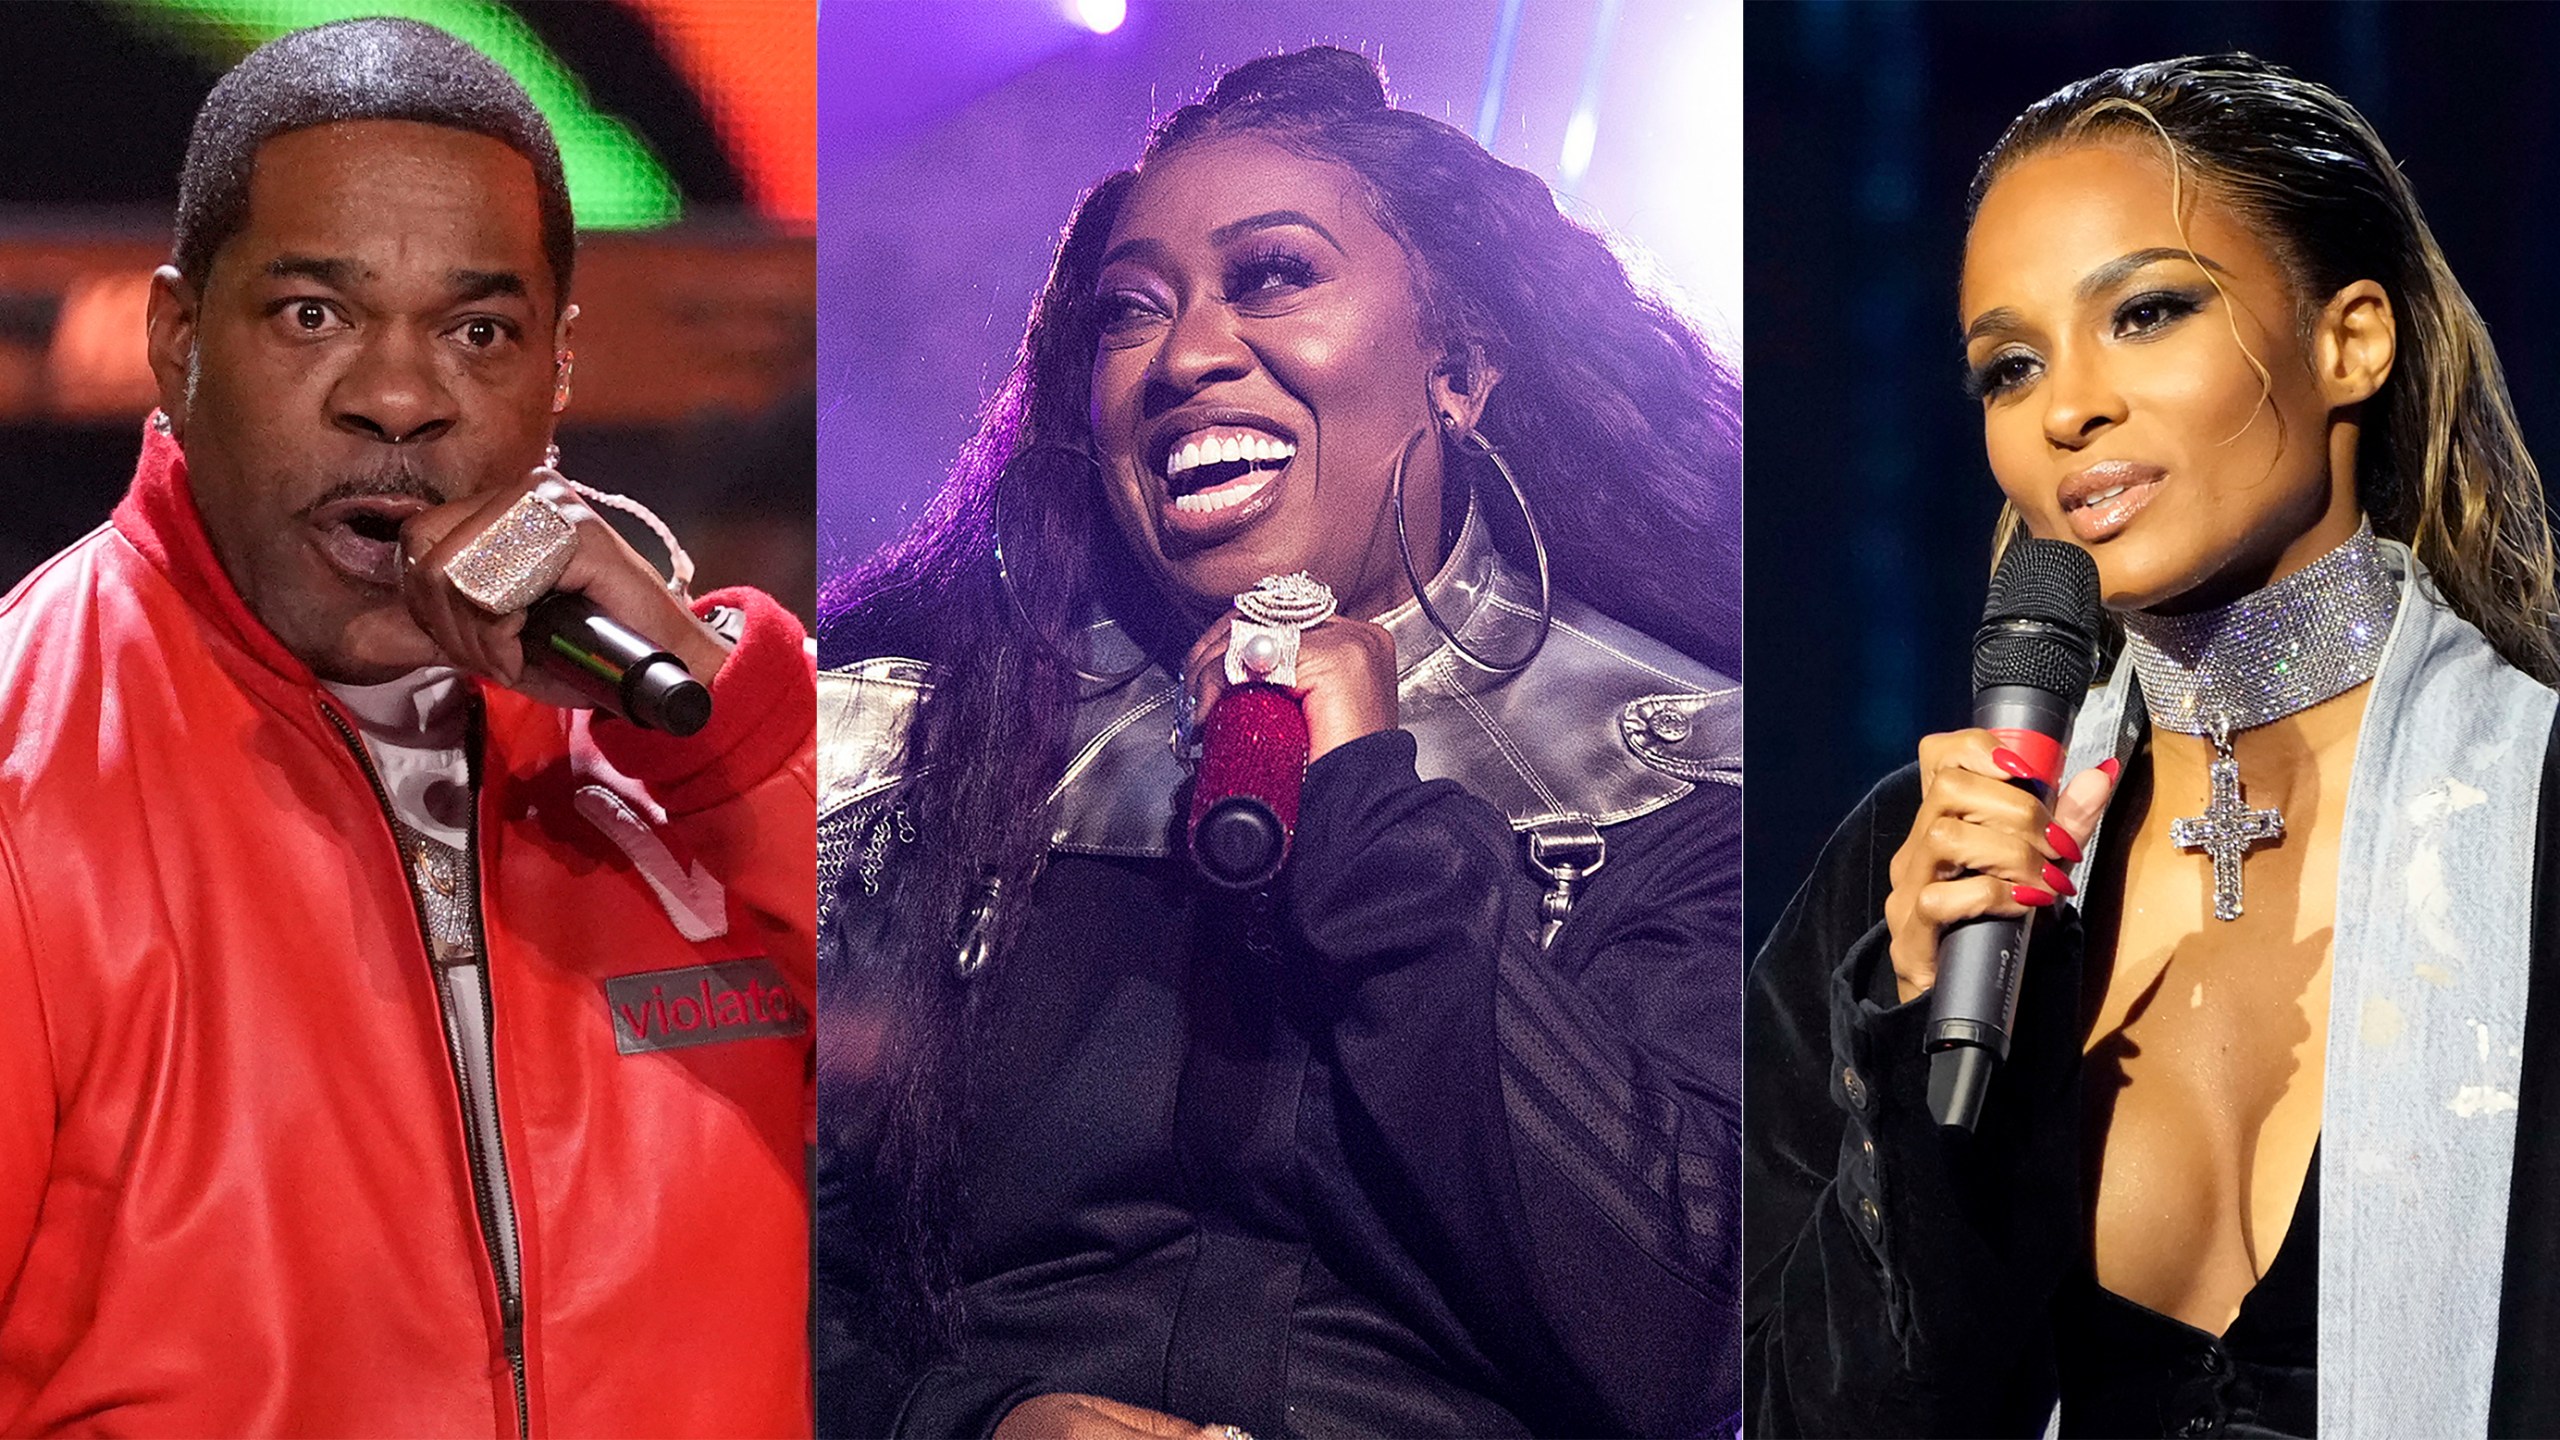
x: 1004, y: 580
x: 1475, y: 442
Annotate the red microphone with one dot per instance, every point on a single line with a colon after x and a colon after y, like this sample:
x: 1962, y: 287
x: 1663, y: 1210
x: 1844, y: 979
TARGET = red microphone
x: 1253, y: 746
x: 1244, y: 801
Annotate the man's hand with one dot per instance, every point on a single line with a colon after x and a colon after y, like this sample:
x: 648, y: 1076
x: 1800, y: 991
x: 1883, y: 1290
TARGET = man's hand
x: 604, y: 568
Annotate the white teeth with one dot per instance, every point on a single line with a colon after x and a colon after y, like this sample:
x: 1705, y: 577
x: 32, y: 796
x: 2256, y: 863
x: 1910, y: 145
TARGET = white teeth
x: 1216, y: 450
x: 2101, y: 499
x: 1225, y: 497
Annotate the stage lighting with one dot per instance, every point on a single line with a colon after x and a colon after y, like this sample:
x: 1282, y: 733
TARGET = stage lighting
x: 1581, y: 133
x: 1101, y: 16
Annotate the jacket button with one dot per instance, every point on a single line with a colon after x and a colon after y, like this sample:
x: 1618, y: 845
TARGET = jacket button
x: 1867, y: 1152
x: 1668, y: 726
x: 2200, y: 1423
x: 1870, y: 1219
x: 1855, y: 1084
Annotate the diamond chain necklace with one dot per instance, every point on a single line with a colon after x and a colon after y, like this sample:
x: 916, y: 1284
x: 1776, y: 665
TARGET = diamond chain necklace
x: 2309, y: 637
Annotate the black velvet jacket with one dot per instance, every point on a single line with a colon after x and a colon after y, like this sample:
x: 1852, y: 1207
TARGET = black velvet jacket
x: 1903, y: 1282
x: 1362, y: 1157
x: 1387, y: 1169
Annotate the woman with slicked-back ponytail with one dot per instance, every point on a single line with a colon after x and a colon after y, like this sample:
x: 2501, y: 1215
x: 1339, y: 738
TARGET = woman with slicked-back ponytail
x: 1430, y: 1132
x: 2253, y: 1164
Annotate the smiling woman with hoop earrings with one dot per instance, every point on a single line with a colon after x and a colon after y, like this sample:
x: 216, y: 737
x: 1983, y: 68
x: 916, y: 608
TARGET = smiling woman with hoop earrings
x: 1325, y: 410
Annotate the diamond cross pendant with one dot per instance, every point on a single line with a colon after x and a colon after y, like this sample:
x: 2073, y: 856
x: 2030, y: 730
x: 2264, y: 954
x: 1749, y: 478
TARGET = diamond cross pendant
x: 2228, y: 827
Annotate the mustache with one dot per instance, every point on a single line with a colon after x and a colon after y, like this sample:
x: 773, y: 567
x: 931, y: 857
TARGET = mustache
x: 394, y: 476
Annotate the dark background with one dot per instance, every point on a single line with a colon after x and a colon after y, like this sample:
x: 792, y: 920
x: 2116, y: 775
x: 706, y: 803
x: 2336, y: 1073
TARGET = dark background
x: 1868, y: 502
x: 94, y: 117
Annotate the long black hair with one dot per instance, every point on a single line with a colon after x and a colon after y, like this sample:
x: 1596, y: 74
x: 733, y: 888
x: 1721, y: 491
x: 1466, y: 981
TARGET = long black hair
x: 1617, y: 418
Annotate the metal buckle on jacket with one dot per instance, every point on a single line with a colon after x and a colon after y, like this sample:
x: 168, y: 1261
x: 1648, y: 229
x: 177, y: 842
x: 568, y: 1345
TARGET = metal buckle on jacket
x: 1567, y: 852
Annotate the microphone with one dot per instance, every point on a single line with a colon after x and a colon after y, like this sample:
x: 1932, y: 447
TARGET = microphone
x: 611, y: 664
x: 2032, y: 660
x: 1244, y: 801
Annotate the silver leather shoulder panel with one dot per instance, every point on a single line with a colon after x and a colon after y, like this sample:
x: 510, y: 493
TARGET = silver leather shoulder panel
x: 1695, y: 735
x: 1603, y: 726
x: 863, y: 713
x: 1552, y: 742
x: 1117, y: 795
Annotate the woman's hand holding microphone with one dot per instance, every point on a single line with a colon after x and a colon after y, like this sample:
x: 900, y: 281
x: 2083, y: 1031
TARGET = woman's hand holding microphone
x: 1346, y: 678
x: 1981, y: 845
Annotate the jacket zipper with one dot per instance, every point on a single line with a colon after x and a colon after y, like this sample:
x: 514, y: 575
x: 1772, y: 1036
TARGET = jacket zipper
x: 484, y: 1180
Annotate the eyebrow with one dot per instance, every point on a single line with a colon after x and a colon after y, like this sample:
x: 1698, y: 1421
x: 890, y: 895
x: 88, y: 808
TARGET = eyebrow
x: 1273, y: 220
x: 340, y: 274
x: 470, y: 285
x: 312, y: 267
x: 2108, y: 276
x: 1227, y: 233
x: 2097, y: 282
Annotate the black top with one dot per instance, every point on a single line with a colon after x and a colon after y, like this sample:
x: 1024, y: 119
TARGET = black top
x: 2127, y: 1369
x: 1901, y: 1281
x: 1363, y: 1160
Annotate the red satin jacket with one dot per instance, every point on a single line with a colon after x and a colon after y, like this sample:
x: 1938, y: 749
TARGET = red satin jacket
x: 235, y: 1195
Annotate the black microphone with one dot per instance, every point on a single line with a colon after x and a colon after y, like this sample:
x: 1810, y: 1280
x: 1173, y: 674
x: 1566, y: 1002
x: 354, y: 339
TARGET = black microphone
x: 2032, y: 660
x: 611, y: 664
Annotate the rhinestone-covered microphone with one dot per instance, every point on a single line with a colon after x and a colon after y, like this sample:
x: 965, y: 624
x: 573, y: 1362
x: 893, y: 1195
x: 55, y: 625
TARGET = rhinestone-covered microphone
x: 1244, y: 801
x: 1253, y: 745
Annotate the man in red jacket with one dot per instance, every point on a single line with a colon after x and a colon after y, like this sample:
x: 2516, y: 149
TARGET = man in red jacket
x: 386, y: 1046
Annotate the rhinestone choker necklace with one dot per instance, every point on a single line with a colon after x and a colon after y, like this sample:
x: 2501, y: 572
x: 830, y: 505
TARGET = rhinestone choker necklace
x: 2311, y: 636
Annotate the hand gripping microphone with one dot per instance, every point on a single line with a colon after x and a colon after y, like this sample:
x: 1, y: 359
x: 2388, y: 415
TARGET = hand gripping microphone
x: 2032, y: 659
x: 1244, y: 800
x: 611, y: 665
x: 1253, y: 746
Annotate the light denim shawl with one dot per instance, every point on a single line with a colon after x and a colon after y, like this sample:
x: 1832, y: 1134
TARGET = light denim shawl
x: 2426, y: 1018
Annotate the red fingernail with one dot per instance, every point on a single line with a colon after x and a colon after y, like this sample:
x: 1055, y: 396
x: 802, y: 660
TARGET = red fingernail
x: 2062, y: 843
x: 2111, y: 767
x: 2030, y: 895
x: 2013, y: 762
x: 2058, y: 882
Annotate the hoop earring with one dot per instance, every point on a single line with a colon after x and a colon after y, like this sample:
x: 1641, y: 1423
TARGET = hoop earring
x: 1474, y: 440
x: 1004, y: 581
